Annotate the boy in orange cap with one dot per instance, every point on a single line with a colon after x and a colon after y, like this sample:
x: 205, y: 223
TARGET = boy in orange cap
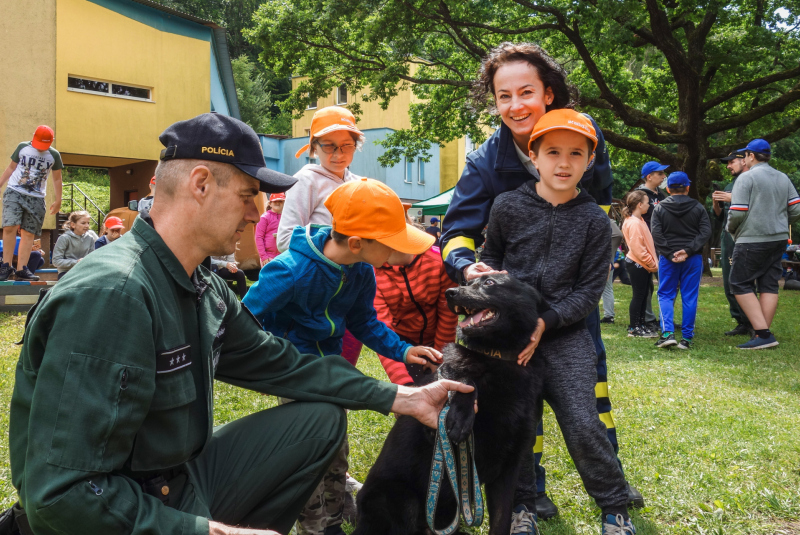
x: 548, y: 234
x: 326, y: 279
x: 113, y: 231
x: 23, y: 201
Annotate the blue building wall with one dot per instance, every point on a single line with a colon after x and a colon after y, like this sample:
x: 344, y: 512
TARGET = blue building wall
x: 414, y: 181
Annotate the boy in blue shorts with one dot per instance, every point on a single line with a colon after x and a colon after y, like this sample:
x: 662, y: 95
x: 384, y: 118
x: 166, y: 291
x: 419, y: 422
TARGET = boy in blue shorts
x: 324, y: 281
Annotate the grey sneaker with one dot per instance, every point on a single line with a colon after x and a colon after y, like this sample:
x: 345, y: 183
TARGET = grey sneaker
x: 686, y: 343
x: 666, y: 340
x: 616, y: 525
x: 523, y: 521
x: 25, y: 274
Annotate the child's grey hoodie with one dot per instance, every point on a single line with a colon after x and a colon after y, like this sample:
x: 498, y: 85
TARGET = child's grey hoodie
x: 70, y: 248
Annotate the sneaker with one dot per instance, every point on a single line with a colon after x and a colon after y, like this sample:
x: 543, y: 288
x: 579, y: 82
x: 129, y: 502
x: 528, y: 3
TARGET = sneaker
x: 649, y: 333
x: 666, y: 340
x: 25, y: 274
x: 654, y: 326
x: 6, y: 271
x: 545, y: 508
x: 607, y: 320
x: 740, y: 330
x: 635, y: 498
x: 686, y: 343
x: 760, y: 343
x: 617, y: 525
x: 641, y: 332
x: 523, y: 521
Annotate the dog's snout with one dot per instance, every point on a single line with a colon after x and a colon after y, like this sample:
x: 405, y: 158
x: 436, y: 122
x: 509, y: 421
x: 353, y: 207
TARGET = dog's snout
x: 451, y: 292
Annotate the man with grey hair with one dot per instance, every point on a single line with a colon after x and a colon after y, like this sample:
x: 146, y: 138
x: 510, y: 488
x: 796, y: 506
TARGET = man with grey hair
x: 115, y: 433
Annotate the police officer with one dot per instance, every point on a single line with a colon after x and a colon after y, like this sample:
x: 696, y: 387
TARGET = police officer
x: 112, y: 432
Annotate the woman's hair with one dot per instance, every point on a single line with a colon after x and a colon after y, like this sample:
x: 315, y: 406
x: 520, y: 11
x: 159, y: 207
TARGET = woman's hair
x: 358, y: 139
x: 552, y: 75
x: 74, y: 217
x: 632, y: 200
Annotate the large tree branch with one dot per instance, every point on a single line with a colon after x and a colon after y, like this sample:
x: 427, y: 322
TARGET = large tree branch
x: 639, y: 116
x: 750, y: 85
x: 636, y: 145
x: 793, y: 95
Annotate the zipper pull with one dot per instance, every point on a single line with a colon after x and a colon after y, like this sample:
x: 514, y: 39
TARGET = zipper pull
x: 123, y: 384
x: 97, y: 490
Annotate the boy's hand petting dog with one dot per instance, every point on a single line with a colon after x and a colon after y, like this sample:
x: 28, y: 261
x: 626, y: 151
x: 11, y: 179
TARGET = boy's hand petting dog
x: 427, y: 402
x: 461, y: 416
x: 479, y: 269
x: 536, y: 337
x: 426, y: 356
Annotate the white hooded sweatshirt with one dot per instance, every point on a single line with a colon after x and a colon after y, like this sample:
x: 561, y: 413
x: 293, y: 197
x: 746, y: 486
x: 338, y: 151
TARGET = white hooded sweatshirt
x: 304, y: 201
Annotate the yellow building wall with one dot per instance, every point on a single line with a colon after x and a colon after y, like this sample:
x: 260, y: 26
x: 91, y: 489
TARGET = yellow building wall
x: 27, y: 87
x: 95, y: 42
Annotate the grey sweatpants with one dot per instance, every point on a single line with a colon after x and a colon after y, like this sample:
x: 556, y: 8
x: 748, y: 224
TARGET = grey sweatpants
x: 569, y: 388
x: 608, y: 296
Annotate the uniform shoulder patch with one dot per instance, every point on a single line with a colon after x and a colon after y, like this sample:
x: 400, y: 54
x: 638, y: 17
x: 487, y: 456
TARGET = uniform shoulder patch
x: 171, y: 360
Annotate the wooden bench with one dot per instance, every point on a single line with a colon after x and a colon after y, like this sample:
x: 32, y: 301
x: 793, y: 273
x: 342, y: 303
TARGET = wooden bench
x: 19, y: 296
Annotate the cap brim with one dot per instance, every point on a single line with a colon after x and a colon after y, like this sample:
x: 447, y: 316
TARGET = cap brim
x: 302, y: 150
x: 544, y: 131
x: 269, y: 181
x: 116, y: 227
x: 335, y: 127
x: 38, y: 145
x: 410, y: 240
x: 660, y: 168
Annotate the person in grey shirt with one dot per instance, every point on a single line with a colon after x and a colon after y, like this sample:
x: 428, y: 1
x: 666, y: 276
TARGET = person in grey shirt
x: 763, y: 205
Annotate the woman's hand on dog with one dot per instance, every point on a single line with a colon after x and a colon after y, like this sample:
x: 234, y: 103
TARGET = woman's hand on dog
x: 479, y: 269
x: 425, y: 356
x: 426, y: 403
x: 527, y: 353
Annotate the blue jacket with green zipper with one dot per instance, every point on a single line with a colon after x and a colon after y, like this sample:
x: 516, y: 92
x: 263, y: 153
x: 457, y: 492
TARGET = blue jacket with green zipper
x: 309, y: 300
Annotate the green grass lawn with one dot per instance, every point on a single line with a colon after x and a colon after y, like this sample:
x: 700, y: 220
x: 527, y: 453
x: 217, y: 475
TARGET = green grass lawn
x: 710, y: 436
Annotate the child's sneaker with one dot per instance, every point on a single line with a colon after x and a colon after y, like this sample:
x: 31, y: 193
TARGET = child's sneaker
x: 760, y: 343
x: 686, y: 343
x: 641, y: 332
x: 647, y: 332
x: 25, y: 274
x: 6, y: 271
x: 617, y: 525
x: 607, y: 319
x: 654, y: 326
x: 666, y: 340
x: 523, y: 521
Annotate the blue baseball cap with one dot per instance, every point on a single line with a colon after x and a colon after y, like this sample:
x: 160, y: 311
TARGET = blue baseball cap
x: 678, y: 178
x: 759, y: 145
x: 434, y: 220
x: 652, y: 167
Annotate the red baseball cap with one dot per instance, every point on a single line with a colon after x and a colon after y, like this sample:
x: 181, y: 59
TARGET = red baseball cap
x: 114, y: 222
x: 277, y: 197
x: 42, y: 138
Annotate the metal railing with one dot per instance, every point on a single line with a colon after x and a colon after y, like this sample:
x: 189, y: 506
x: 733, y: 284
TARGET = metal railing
x: 73, y: 202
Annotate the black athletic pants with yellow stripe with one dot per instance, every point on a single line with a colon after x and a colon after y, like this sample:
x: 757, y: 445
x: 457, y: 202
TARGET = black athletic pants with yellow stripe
x: 603, y: 401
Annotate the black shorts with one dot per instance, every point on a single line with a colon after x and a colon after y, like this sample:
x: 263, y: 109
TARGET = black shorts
x: 756, y: 267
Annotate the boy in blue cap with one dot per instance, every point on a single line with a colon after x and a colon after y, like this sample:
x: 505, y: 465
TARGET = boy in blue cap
x: 763, y: 205
x: 680, y: 228
x: 653, y: 175
x: 434, y: 229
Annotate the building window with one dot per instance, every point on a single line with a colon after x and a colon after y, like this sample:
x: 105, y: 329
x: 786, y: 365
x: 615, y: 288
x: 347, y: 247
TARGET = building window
x: 341, y: 94
x: 420, y: 172
x: 409, y: 171
x: 312, y: 105
x: 109, y: 89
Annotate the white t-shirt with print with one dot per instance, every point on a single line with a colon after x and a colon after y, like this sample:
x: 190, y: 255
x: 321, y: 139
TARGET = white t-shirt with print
x: 33, y: 168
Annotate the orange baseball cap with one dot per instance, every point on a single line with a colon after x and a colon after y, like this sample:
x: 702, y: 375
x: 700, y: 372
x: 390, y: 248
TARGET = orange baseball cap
x: 277, y: 197
x: 369, y: 209
x: 329, y: 120
x: 113, y: 222
x: 564, y: 119
x: 42, y: 138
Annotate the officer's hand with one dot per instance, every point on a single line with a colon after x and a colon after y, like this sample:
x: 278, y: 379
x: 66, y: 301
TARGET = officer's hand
x: 426, y: 356
x: 425, y: 403
x: 479, y: 269
x: 215, y: 528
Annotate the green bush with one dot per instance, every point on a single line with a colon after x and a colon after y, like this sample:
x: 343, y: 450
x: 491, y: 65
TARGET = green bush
x: 95, y: 183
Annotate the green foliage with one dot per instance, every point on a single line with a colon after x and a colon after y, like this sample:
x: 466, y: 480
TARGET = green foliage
x: 95, y: 183
x: 255, y: 101
x: 679, y: 81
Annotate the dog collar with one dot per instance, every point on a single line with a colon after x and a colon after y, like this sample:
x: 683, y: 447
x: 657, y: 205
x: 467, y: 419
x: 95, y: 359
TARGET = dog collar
x: 501, y: 354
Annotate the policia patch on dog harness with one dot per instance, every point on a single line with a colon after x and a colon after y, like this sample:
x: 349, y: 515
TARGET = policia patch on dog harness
x: 489, y: 352
x: 175, y: 359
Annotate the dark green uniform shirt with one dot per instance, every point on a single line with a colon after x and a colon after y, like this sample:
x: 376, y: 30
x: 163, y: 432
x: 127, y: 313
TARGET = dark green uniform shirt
x: 116, y: 378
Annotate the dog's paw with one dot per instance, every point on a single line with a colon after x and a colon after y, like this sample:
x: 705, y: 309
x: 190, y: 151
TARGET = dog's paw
x: 461, y: 417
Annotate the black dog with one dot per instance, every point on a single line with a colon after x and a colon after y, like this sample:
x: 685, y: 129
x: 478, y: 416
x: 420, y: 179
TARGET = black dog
x: 502, y: 313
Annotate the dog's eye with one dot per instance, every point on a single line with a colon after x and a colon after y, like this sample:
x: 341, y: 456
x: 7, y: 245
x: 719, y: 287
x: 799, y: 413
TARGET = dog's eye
x: 488, y: 282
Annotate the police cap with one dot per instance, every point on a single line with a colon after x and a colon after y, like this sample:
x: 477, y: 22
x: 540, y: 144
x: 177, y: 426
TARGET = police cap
x: 219, y: 138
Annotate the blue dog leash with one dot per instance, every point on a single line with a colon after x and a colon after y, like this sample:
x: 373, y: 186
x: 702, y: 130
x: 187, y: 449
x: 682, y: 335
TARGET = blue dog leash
x: 443, y: 457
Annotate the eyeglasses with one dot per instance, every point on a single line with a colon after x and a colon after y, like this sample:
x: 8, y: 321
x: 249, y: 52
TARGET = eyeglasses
x: 330, y: 148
